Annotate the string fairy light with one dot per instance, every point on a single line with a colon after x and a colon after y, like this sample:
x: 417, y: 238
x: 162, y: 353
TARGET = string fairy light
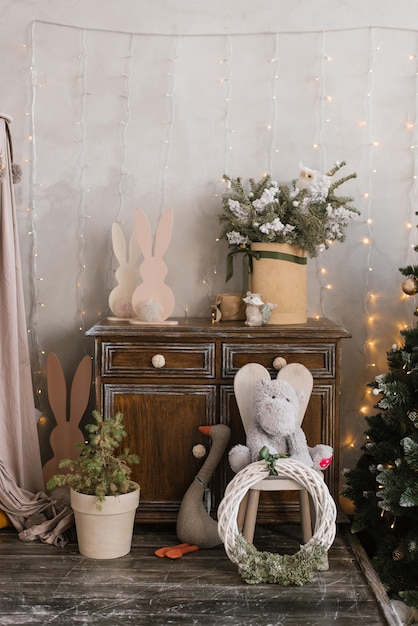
x: 412, y: 127
x: 225, y: 81
x: 81, y: 140
x: 33, y: 323
x: 271, y: 127
x: 124, y: 127
x: 370, y: 297
x: 318, y: 145
x: 170, y: 94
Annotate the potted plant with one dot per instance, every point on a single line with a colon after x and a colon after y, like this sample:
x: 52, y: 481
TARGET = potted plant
x: 278, y: 227
x: 102, y: 495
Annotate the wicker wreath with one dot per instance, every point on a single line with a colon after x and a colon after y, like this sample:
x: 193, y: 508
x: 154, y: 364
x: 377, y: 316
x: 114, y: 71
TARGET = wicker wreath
x: 265, y: 567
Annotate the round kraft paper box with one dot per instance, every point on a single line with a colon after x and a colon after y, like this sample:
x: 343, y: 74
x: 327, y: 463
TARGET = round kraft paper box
x: 279, y: 276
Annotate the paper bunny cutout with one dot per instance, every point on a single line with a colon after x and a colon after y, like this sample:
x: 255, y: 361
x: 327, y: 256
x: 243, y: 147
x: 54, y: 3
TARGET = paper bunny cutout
x: 67, y: 432
x: 153, y: 300
x: 120, y: 298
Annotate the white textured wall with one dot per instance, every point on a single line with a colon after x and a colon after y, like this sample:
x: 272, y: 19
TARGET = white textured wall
x: 146, y: 103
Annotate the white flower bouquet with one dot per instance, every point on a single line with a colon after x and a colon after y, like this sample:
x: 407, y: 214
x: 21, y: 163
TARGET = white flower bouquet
x: 308, y: 214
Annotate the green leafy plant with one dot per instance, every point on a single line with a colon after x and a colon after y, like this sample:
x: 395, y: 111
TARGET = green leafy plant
x: 97, y: 471
x: 307, y: 214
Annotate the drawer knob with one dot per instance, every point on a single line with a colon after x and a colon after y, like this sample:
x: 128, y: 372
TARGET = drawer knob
x: 279, y: 362
x: 158, y: 361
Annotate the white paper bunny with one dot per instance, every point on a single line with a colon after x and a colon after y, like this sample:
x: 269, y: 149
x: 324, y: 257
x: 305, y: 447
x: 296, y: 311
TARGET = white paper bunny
x: 153, y: 300
x: 120, y: 298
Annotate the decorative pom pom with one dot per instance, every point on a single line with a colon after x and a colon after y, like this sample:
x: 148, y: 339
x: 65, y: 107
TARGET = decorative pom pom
x: 199, y: 451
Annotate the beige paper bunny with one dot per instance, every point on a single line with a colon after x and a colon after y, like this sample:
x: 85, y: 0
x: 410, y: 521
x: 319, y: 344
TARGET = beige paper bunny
x: 153, y: 300
x: 120, y: 298
x: 66, y: 432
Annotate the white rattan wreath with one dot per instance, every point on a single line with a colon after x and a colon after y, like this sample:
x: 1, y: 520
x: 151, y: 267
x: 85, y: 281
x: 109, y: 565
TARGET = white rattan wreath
x: 325, y: 510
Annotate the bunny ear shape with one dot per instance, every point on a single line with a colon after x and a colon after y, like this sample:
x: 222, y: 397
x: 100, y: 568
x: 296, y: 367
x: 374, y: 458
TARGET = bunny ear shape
x: 57, y: 389
x: 119, y: 243
x: 134, y: 251
x: 143, y: 233
x: 80, y: 390
x: 163, y: 234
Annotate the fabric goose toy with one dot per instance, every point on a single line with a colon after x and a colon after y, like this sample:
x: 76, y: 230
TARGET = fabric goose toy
x: 195, y: 527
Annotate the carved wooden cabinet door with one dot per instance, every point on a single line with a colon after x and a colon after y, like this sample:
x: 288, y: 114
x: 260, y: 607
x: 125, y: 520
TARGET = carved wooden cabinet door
x: 162, y: 422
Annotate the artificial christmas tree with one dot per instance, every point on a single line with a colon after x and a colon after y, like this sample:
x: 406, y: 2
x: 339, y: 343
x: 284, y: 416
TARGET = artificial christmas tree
x: 384, y: 483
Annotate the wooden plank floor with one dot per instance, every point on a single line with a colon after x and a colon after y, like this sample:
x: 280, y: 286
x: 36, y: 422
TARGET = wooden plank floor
x: 41, y: 584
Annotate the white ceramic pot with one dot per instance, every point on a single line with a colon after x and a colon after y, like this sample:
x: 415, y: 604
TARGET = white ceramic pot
x: 105, y: 533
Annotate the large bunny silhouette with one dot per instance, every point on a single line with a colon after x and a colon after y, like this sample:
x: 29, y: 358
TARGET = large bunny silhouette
x: 120, y: 298
x: 67, y: 432
x: 153, y: 300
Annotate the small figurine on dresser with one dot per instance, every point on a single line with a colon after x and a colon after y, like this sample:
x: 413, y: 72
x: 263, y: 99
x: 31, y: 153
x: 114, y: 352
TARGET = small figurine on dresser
x: 257, y: 312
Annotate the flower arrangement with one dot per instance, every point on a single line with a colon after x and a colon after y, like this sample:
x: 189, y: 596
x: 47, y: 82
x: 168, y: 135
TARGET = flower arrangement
x: 307, y: 214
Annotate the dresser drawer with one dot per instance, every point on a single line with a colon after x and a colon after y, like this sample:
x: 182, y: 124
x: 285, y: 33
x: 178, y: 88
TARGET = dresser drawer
x: 319, y: 358
x: 174, y: 360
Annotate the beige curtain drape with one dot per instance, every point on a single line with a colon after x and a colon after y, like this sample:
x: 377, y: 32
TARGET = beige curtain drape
x: 21, y: 480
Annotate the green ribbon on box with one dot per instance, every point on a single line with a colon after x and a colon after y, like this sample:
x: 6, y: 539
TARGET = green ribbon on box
x: 247, y: 262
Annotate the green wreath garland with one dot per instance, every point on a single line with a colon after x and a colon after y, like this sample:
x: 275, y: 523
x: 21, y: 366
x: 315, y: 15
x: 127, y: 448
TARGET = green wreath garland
x: 257, y: 567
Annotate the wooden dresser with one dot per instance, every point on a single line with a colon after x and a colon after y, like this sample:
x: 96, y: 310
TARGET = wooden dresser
x: 168, y: 380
